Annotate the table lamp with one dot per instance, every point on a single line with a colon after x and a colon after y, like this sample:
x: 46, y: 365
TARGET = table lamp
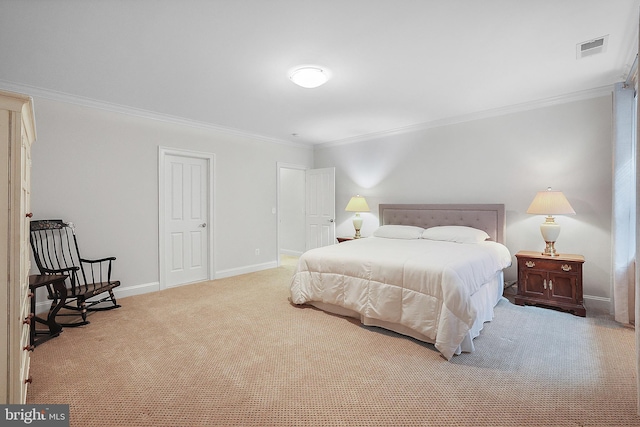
x: 357, y: 204
x: 550, y: 203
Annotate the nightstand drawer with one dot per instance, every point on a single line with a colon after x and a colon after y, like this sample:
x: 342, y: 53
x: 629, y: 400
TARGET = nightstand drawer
x: 559, y: 266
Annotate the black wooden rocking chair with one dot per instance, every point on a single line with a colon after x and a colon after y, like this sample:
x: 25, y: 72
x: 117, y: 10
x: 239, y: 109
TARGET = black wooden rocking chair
x: 55, y: 250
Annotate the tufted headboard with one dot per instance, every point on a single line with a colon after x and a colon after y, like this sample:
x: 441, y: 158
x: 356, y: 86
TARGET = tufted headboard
x: 487, y: 217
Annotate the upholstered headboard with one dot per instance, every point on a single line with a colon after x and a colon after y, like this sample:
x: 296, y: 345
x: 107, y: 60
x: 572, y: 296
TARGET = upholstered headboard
x: 487, y: 217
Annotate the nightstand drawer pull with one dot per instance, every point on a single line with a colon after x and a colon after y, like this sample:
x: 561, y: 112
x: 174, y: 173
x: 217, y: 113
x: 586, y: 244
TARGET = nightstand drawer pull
x: 566, y: 267
x: 530, y: 264
x: 544, y: 284
x: 550, y: 285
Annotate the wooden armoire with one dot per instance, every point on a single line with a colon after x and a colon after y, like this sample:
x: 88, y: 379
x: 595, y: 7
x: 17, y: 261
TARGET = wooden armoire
x: 17, y: 133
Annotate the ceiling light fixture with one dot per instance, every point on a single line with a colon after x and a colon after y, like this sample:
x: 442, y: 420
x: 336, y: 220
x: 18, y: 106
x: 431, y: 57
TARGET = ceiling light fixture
x: 309, y: 77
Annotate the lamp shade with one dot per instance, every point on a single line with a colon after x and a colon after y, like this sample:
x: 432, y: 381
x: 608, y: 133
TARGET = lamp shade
x: 550, y: 202
x: 357, y: 204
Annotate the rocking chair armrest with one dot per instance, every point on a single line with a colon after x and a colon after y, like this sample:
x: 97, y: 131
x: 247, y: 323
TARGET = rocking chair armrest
x: 59, y: 271
x: 98, y: 269
x: 93, y: 261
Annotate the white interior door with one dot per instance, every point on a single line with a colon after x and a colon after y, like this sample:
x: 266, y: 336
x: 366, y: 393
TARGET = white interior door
x: 185, y: 235
x: 321, y: 207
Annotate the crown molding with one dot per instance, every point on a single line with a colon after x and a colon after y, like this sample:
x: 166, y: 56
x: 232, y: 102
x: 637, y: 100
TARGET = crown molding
x: 34, y: 91
x: 496, y: 112
x: 52, y: 95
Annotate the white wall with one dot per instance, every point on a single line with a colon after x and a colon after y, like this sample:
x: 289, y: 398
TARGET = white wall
x: 504, y: 159
x: 99, y: 169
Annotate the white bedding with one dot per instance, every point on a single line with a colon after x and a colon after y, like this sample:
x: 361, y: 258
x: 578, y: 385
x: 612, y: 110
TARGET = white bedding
x: 432, y: 288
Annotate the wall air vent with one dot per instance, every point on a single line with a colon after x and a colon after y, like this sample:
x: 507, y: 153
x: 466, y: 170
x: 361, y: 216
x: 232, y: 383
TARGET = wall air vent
x: 592, y: 47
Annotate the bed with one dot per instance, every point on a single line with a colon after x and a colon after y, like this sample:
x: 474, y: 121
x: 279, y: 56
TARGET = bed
x: 431, y: 272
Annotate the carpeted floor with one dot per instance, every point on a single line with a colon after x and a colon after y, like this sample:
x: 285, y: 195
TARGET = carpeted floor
x: 235, y: 352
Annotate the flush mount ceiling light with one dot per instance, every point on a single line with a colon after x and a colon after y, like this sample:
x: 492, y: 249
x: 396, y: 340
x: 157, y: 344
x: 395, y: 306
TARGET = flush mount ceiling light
x: 309, y: 77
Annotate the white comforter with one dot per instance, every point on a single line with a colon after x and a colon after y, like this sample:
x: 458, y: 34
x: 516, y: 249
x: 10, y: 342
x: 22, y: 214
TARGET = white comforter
x: 424, y: 285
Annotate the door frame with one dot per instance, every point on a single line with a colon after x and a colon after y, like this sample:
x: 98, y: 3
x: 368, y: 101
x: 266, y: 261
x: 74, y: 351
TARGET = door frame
x: 210, y: 158
x: 279, y: 166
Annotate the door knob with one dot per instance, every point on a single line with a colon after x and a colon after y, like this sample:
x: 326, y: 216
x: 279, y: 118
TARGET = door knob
x: 331, y: 220
x: 203, y: 225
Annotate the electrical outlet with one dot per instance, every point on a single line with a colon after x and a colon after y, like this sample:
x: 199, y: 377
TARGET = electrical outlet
x: 257, y: 251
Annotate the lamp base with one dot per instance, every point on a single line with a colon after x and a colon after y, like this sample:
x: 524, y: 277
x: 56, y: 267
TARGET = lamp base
x: 550, y: 231
x: 550, y: 249
x: 357, y: 224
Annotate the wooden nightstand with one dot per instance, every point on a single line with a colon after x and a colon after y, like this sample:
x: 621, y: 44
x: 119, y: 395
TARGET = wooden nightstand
x: 344, y: 239
x: 550, y: 281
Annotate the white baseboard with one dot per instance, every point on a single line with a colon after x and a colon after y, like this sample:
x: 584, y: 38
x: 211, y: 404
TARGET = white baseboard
x: 591, y: 302
x: 598, y: 303
x: 246, y: 269
x: 290, y: 252
x: 155, y: 286
x: 129, y: 291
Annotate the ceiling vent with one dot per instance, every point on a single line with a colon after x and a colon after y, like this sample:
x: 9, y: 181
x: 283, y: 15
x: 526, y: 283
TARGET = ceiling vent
x: 592, y: 47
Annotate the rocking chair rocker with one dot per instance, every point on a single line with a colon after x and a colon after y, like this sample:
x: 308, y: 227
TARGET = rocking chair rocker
x: 55, y: 250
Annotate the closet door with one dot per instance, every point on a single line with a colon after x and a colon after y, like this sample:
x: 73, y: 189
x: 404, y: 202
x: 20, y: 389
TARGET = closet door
x: 23, y: 196
x: 5, y: 296
x: 17, y: 133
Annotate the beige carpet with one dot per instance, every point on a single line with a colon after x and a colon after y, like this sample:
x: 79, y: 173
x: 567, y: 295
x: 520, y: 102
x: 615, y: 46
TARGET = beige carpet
x: 234, y: 352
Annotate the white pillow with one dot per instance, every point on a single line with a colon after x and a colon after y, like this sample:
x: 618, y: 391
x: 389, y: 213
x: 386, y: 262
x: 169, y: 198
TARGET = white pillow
x: 399, y: 232
x: 455, y: 233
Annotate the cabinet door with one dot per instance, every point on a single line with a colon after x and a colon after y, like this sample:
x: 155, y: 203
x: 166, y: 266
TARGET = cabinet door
x: 25, y: 265
x: 562, y: 287
x: 17, y: 132
x: 533, y: 283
